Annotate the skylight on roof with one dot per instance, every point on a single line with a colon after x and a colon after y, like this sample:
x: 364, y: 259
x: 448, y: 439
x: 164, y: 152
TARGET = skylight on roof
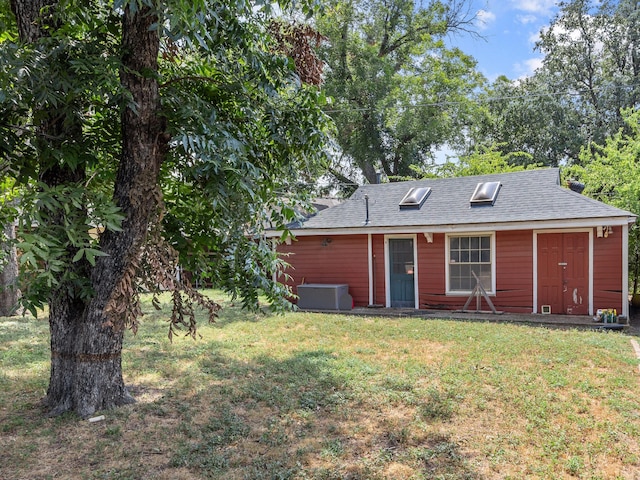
x: 485, y: 193
x: 415, y: 197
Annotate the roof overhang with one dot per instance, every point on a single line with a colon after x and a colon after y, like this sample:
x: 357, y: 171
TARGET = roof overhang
x: 468, y: 227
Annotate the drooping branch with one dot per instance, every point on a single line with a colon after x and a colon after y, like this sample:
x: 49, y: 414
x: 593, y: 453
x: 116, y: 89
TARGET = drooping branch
x: 299, y: 42
x: 343, y: 179
x: 139, y: 255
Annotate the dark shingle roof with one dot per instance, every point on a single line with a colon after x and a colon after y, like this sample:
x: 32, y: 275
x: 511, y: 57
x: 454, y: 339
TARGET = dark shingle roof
x: 527, y: 196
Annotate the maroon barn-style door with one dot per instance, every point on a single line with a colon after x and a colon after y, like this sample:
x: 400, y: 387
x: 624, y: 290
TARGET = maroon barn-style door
x: 563, y: 272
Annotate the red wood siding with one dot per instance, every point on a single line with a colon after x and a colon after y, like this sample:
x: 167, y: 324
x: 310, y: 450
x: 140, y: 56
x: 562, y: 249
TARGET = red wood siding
x: 377, y: 245
x: 431, y: 272
x: 607, y: 271
x: 514, y: 271
x: 331, y: 259
x: 344, y: 260
x: 514, y: 274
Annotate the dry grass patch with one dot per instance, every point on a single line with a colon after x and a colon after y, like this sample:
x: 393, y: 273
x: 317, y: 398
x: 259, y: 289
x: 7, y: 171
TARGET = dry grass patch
x: 307, y: 396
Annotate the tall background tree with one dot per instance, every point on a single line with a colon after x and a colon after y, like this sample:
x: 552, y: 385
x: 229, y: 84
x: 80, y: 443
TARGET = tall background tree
x: 481, y: 161
x: 592, y: 56
x: 398, y: 92
x: 590, y: 72
x: 135, y: 128
x: 527, y: 116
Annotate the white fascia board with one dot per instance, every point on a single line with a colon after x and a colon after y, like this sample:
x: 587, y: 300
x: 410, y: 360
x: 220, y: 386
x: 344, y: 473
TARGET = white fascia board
x: 467, y: 227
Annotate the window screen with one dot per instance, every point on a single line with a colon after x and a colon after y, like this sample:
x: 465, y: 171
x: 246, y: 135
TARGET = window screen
x: 469, y: 254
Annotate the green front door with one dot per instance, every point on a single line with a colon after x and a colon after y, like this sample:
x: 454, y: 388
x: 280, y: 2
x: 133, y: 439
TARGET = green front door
x: 401, y: 274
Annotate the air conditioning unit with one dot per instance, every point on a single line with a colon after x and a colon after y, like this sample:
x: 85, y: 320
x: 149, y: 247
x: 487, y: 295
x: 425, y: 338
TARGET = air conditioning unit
x: 324, y: 296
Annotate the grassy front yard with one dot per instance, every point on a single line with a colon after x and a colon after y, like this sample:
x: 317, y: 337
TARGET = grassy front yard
x: 310, y: 396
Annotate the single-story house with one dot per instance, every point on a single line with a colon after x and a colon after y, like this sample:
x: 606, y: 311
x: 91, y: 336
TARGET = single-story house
x: 529, y: 243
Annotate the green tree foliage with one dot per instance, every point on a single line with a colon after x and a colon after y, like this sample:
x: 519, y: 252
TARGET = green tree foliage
x: 398, y: 92
x: 611, y: 174
x: 592, y: 57
x: 591, y: 70
x: 528, y: 116
x: 481, y: 161
x: 248, y: 139
x: 140, y: 133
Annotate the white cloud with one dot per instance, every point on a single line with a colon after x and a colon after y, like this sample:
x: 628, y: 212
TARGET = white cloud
x: 484, y: 19
x: 534, y: 6
x: 526, y: 19
x: 528, y: 67
x: 574, y: 35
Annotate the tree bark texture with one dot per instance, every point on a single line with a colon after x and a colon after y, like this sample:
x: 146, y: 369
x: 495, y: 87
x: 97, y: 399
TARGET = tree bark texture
x: 94, y: 355
x: 86, y: 345
x: 9, y: 293
x: 28, y: 17
x: 86, y: 368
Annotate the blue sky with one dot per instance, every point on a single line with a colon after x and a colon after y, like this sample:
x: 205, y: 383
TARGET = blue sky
x: 510, y: 28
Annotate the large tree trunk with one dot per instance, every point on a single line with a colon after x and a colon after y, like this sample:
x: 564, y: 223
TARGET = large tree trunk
x: 86, y: 342
x: 86, y: 370
x: 87, y: 375
x: 9, y: 274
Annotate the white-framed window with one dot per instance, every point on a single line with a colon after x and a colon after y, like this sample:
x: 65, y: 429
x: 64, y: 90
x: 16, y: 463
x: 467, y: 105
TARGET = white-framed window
x: 468, y: 254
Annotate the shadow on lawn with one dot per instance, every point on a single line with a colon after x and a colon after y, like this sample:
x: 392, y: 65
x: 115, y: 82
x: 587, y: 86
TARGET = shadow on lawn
x: 313, y: 415
x: 307, y: 417
x: 634, y: 322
